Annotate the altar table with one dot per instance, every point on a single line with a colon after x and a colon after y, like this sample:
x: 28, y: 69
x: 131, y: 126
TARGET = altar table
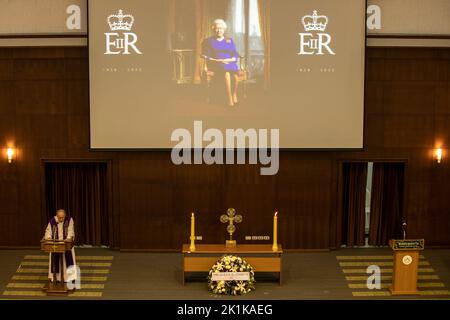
x: 260, y: 256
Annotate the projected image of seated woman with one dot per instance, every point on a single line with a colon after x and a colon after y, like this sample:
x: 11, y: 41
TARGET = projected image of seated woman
x: 220, y: 53
x: 221, y: 61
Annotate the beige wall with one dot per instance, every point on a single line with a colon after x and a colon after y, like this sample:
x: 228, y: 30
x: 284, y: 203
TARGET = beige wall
x: 38, y: 16
x: 416, y: 17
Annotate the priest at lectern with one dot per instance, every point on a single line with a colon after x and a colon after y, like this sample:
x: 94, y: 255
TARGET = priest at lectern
x: 60, y: 227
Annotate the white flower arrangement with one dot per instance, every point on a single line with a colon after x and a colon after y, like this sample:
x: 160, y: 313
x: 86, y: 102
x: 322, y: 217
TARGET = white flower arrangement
x: 229, y: 263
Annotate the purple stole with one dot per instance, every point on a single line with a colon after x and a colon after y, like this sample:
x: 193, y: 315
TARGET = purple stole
x: 55, y: 235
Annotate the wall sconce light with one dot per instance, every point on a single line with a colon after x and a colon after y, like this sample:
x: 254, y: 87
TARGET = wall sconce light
x: 438, y: 155
x: 10, y: 153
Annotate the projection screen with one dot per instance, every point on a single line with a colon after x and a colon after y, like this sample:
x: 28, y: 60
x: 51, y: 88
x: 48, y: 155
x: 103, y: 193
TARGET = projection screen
x: 293, y: 65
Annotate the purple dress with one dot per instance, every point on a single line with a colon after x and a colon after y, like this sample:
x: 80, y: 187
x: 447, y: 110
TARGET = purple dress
x: 224, y: 49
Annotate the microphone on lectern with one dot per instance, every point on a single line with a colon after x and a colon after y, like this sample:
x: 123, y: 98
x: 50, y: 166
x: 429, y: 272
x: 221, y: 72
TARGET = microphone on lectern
x: 404, y: 226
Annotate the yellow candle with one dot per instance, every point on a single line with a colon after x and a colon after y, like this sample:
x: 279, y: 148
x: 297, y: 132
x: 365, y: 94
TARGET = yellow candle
x: 192, y: 246
x: 275, y: 227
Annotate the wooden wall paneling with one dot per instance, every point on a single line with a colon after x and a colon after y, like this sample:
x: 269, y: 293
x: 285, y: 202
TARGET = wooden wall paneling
x: 44, y: 108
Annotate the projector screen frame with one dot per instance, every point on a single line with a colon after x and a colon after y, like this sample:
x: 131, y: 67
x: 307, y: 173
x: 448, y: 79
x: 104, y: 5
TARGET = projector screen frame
x: 299, y: 149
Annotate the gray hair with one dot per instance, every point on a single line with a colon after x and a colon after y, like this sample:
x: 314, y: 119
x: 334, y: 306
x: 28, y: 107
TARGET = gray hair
x: 220, y: 22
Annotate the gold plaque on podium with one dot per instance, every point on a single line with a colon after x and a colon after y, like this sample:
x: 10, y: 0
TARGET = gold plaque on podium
x: 409, y: 244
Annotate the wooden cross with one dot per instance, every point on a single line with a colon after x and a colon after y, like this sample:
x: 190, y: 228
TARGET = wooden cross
x: 231, y: 217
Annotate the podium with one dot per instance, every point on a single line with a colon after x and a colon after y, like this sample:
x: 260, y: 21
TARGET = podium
x: 56, y: 247
x: 406, y: 265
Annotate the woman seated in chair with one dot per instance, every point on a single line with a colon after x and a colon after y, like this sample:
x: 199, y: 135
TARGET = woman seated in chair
x: 221, y: 59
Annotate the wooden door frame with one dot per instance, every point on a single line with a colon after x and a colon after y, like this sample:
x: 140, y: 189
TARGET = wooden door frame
x: 339, y: 192
x: 109, y: 189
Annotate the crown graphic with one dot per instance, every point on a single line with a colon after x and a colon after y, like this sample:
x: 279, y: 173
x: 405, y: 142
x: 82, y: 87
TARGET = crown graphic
x: 120, y: 21
x: 315, y: 22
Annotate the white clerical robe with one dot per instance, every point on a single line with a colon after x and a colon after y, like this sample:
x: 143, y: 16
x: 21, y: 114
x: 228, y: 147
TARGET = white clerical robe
x: 72, y: 274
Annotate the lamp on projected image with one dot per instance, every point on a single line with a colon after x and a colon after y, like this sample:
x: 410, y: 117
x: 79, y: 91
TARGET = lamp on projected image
x: 438, y: 155
x: 10, y: 154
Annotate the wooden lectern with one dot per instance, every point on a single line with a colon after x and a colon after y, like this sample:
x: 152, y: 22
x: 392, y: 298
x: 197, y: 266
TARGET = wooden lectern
x: 56, y: 247
x: 406, y: 266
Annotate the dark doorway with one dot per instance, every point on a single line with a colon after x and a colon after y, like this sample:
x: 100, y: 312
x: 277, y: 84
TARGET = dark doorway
x: 354, y: 180
x: 386, y: 205
x: 81, y: 189
x: 371, y: 202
